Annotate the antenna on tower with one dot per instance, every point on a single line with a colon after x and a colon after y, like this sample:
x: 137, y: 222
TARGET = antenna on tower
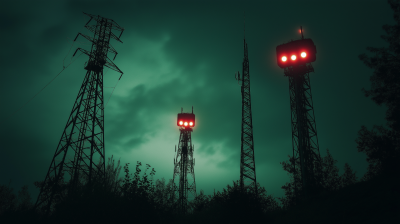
x: 247, y: 163
x: 301, y: 30
x: 244, y: 25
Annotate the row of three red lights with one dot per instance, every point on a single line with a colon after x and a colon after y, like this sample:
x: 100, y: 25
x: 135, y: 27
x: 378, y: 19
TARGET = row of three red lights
x: 186, y: 123
x: 303, y: 55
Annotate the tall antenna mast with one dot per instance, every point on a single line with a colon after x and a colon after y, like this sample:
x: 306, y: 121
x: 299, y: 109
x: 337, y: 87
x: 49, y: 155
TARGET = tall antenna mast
x: 244, y: 25
x: 247, y: 163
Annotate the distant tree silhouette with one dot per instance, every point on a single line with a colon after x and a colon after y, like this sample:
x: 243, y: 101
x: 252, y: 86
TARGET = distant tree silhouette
x: 113, y: 181
x: 381, y: 145
x: 164, y: 195
x: 233, y: 206
x: 8, y: 200
x: 385, y: 81
x: 110, y: 201
x: 329, y: 180
x: 24, y: 199
x: 293, y: 189
x: 349, y: 176
x: 16, y: 209
x: 382, y: 150
x: 201, y: 202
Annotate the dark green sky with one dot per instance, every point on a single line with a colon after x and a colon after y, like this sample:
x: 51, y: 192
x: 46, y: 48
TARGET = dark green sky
x: 179, y: 54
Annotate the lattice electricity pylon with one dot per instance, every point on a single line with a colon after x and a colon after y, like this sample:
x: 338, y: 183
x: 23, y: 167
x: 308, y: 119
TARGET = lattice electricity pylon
x: 296, y: 57
x: 184, y: 163
x: 247, y: 162
x: 82, y: 141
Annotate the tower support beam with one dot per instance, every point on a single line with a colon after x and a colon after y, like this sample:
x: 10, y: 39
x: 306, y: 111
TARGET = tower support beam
x: 82, y: 141
x: 304, y: 131
x: 184, y: 177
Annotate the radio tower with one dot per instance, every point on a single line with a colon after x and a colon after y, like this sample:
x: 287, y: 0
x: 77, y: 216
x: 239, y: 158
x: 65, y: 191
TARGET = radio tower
x: 82, y: 141
x: 247, y: 163
x: 184, y: 162
x: 298, y: 55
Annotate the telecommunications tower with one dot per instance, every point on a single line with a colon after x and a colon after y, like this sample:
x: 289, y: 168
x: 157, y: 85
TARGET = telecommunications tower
x: 295, y: 58
x: 184, y: 162
x: 247, y: 162
x: 82, y: 141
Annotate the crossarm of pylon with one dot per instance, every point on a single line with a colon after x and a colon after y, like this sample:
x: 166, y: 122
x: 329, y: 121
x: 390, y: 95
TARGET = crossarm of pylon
x: 115, y: 37
x: 91, y: 28
x: 112, y: 50
x: 83, y: 51
x: 85, y: 36
x: 117, y: 27
x: 113, y: 23
x: 91, y: 16
x: 111, y: 65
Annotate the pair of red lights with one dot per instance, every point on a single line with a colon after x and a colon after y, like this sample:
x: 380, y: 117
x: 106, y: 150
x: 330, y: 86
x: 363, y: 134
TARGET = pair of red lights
x: 293, y: 57
x: 186, y: 123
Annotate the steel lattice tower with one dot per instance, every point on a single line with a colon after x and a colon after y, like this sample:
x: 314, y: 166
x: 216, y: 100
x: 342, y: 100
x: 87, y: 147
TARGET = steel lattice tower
x: 184, y: 164
x: 82, y: 141
x: 304, y: 131
x: 247, y: 162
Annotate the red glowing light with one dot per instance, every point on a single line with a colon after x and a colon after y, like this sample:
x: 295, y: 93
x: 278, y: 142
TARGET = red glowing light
x: 303, y: 54
x: 186, y: 120
x: 293, y: 57
x: 284, y: 58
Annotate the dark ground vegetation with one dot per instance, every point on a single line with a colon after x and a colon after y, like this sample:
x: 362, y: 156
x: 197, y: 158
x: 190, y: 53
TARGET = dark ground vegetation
x: 339, y: 199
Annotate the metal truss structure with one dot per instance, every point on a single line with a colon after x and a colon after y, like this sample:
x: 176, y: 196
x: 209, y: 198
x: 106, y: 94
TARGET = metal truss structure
x: 184, y: 170
x: 304, y: 131
x: 247, y: 163
x: 82, y: 141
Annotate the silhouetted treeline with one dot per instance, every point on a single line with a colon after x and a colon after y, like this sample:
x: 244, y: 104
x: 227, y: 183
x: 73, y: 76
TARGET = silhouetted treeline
x: 338, y: 198
x: 381, y: 144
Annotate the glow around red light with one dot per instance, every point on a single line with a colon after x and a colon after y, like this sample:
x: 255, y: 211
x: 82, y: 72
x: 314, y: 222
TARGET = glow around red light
x: 186, y: 123
x: 303, y: 54
x: 293, y: 57
x: 180, y: 122
x: 284, y: 58
x: 191, y: 123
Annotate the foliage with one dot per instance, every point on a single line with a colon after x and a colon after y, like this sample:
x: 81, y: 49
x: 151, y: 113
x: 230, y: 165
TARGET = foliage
x: 293, y: 188
x: 381, y: 147
x: 164, y: 195
x: 16, y: 209
x: 349, y: 177
x: 8, y: 199
x: 385, y: 81
x: 112, y: 175
x: 232, y: 205
x: 329, y: 181
x: 114, y: 199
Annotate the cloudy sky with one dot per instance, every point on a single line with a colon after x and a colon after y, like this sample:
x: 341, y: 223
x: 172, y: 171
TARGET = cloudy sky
x: 182, y: 54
